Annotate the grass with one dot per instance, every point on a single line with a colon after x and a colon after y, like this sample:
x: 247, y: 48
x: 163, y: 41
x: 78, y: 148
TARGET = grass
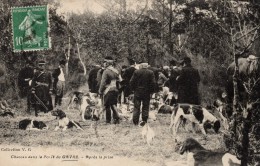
x: 123, y: 140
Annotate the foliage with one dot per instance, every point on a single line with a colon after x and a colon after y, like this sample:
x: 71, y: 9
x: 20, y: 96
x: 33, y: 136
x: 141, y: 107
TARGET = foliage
x: 210, y: 32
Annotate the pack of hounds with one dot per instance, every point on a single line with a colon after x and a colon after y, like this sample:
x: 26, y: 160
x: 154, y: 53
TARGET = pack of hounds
x: 90, y: 107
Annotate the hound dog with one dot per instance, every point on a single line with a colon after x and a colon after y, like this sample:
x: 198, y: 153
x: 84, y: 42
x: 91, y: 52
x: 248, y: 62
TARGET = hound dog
x: 64, y: 121
x: 29, y: 124
x: 75, y: 98
x: 199, y: 156
x: 147, y: 133
x: 195, y: 114
x: 91, y: 107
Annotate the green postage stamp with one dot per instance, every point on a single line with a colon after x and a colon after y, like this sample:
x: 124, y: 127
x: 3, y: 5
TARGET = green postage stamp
x: 30, y: 28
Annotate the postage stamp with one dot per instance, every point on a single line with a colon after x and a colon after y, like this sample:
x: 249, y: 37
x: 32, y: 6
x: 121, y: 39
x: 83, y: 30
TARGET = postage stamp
x: 30, y: 27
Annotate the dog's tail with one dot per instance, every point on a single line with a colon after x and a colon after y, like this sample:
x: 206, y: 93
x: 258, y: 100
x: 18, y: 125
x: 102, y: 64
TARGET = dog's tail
x: 77, y: 125
x: 229, y: 157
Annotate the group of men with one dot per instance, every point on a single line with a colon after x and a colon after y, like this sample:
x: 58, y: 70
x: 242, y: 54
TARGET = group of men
x: 38, y: 84
x: 181, y: 78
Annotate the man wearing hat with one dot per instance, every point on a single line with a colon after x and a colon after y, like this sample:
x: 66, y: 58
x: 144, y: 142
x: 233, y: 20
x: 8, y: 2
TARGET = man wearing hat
x: 25, y: 77
x: 109, y: 89
x: 127, y: 75
x: 59, y: 82
x: 143, y: 84
x: 42, y: 89
x: 92, y: 79
x: 188, y: 83
x: 172, y: 82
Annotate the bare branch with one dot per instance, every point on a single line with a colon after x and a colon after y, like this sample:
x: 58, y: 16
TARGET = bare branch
x: 254, y: 29
x: 146, y: 4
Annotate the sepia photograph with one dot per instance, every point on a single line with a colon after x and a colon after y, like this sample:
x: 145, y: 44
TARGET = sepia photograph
x: 130, y: 82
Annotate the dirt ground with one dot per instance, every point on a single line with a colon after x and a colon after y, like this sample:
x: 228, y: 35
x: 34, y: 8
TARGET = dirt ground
x: 122, y: 144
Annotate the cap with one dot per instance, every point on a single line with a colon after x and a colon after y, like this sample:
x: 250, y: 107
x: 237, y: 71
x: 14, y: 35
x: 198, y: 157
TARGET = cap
x: 41, y: 62
x: 108, y: 59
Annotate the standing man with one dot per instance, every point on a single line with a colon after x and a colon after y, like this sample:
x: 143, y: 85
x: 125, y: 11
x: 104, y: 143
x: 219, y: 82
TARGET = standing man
x: 25, y: 77
x: 59, y: 82
x: 42, y: 89
x: 143, y: 84
x: 172, y: 83
x: 108, y: 88
x: 127, y: 75
x: 188, y: 83
x: 92, y: 79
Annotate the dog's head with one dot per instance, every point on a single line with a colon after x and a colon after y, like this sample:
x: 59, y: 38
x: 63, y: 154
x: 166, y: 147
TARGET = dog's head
x: 215, y: 125
x: 190, y: 145
x: 58, y: 113
x: 24, y: 123
x: 40, y: 125
x: 77, y: 96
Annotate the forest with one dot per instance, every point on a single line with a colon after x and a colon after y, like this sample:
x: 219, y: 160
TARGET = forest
x: 213, y: 33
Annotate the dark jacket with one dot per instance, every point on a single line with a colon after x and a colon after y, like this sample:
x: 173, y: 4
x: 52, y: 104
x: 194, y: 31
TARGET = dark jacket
x: 42, y: 85
x: 156, y: 76
x: 23, y: 84
x: 188, y: 83
x: 172, y: 83
x: 92, y: 80
x: 143, y: 82
x: 55, y: 76
x: 127, y: 75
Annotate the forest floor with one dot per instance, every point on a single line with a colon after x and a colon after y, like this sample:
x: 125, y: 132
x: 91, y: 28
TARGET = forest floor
x: 119, y: 144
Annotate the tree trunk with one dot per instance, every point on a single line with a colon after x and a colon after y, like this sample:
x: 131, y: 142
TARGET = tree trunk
x: 245, y: 137
x: 67, y: 58
x: 235, y: 99
x: 170, y: 29
x: 84, y: 67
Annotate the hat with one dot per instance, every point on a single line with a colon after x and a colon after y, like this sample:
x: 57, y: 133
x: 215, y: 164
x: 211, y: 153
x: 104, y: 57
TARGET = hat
x: 41, y: 62
x: 108, y: 59
x: 62, y: 62
x: 185, y: 60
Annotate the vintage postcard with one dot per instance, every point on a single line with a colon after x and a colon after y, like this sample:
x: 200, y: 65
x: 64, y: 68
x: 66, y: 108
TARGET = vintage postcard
x: 129, y: 82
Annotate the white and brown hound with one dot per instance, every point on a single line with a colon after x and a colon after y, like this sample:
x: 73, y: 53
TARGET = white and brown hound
x: 29, y: 124
x: 89, y: 105
x: 198, y: 155
x: 195, y: 114
x: 64, y: 122
x: 75, y: 98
